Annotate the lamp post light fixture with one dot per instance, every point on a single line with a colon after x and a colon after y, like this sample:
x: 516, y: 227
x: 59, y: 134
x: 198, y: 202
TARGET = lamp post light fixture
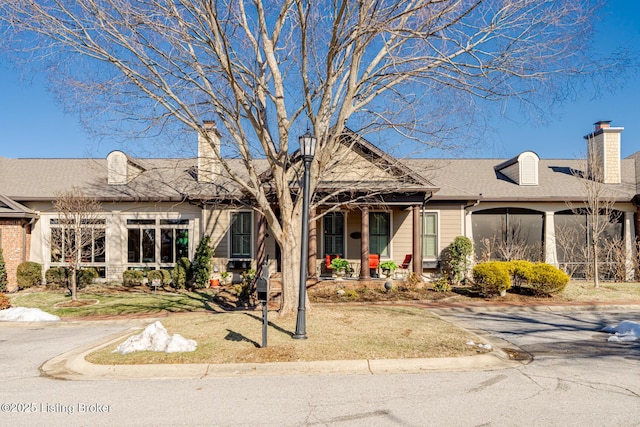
x: 308, y: 150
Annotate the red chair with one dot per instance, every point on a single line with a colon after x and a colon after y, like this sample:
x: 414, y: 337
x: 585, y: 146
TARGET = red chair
x: 374, y: 262
x: 404, y: 267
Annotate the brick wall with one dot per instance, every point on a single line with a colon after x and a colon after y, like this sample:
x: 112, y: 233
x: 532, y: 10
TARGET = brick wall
x: 11, y: 242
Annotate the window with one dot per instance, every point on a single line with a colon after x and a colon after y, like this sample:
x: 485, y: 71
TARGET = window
x: 379, y: 233
x: 574, y: 239
x: 429, y: 235
x: 508, y: 234
x: 333, y: 228
x: 162, y: 241
x: 241, y: 235
x: 92, y: 242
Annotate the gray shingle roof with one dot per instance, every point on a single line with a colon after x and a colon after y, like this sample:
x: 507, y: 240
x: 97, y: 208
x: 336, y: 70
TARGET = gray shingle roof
x: 467, y: 179
x: 173, y: 179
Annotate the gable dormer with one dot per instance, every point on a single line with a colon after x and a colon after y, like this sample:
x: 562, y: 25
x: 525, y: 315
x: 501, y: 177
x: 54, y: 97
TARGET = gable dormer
x: 121, y: 169
x: 523, y: 169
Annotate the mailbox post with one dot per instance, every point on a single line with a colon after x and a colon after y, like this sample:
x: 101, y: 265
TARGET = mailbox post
x: 262, y: 289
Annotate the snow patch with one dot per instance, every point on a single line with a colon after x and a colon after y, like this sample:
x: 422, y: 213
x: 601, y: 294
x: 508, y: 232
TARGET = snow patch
x: 156, y: 338
x: 480, y: 345
x: 22, y: 314
x: 624, y: 332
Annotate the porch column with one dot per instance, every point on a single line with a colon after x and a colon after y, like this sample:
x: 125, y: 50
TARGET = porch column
x: 416, y: 250
x: 313, y: 246
x: 550, y: 249
x: 261, y: 250
x: 364, y: 244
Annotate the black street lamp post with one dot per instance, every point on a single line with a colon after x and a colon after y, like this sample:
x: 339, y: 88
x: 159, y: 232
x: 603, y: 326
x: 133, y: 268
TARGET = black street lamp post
x: 308, y: 150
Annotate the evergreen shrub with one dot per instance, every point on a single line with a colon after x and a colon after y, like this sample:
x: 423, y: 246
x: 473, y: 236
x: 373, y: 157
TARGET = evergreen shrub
x: 56, y: 277
x: 545, y: 279
x: 29, y: 274
x: 131, y: 278
x: 3, y: 274
x: 492, y: 277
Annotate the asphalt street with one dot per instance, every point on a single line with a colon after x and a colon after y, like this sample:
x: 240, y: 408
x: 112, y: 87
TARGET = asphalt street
x: 576, y: 378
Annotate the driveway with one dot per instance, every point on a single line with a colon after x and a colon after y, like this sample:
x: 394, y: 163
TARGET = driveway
x: 547, y: 333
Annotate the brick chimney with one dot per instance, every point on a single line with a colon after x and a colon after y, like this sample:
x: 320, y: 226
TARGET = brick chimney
x: 208, y: 144
x: 603, y: 152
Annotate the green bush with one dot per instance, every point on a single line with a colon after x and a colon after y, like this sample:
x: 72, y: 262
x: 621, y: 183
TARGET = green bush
x: 132, y: 278
x: 180, y: 274
x: 492, y: 277
x: 545, y: 279
x: 201, y: 268
x: 155, y: 275
x: 455, y: 259
x: 3, y: 274
x: 56, y: 277
x: 29, y: 274
x: 166, y: 276
x: 85, y: 277
x: 4, y: 301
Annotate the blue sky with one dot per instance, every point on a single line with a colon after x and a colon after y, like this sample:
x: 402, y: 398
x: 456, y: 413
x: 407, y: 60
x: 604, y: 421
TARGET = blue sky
x: 33, y: 124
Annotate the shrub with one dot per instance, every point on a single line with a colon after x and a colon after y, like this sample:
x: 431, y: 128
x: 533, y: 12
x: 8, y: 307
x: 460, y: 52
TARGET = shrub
x: 455, y: 259
x: 441, y: 285
x: 85, y: 276
x: 166, y: 276
x: 4, y: 301
x: 201, y: 268
x: 132, y: 278
x: 351, y: 294
x: 29, y: 274
x: 520, y: 271
x: 56, y: 277
x: 180, y: 274
x: 414, y: 279
x: 545, y: 279
x: 3, y: 274
x: 492, y: 277
x: 154, y: 275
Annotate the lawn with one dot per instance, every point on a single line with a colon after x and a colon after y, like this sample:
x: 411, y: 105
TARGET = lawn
x: 334, y: 333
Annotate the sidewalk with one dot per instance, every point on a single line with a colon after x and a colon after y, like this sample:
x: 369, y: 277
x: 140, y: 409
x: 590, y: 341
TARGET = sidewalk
x: 73, y: 366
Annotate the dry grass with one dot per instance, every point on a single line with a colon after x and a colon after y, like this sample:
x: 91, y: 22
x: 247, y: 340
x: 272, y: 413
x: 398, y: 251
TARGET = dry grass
x: 585, y: 291
x: 334, y: 333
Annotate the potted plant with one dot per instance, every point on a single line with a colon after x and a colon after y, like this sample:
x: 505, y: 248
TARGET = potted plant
x: 388, y: 267
x: 224, y: 276
x: 340, y: 266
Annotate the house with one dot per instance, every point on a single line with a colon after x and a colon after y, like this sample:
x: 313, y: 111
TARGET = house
x: 156, y: 210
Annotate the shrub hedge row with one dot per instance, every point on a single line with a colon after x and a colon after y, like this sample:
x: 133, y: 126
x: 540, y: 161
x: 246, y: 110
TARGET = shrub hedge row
x: 540, y: 278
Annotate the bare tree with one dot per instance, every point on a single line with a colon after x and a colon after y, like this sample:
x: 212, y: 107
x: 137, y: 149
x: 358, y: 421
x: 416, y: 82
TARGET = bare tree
x: 265, y: 70
x: 598, y: 205
x: 574, y: 253
x: 78, y: 234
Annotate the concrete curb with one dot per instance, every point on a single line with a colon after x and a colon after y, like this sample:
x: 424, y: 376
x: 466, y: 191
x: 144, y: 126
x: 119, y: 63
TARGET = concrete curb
x: 73, y: 366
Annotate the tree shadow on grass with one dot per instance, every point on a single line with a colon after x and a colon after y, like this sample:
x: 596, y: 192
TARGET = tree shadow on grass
x: 238, y: 337
x: 273, y: 325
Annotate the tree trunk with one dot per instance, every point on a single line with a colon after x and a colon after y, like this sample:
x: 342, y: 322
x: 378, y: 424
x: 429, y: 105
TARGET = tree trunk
x: 596, y: 273
x: 73, y: 284
x: 290, y: 249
